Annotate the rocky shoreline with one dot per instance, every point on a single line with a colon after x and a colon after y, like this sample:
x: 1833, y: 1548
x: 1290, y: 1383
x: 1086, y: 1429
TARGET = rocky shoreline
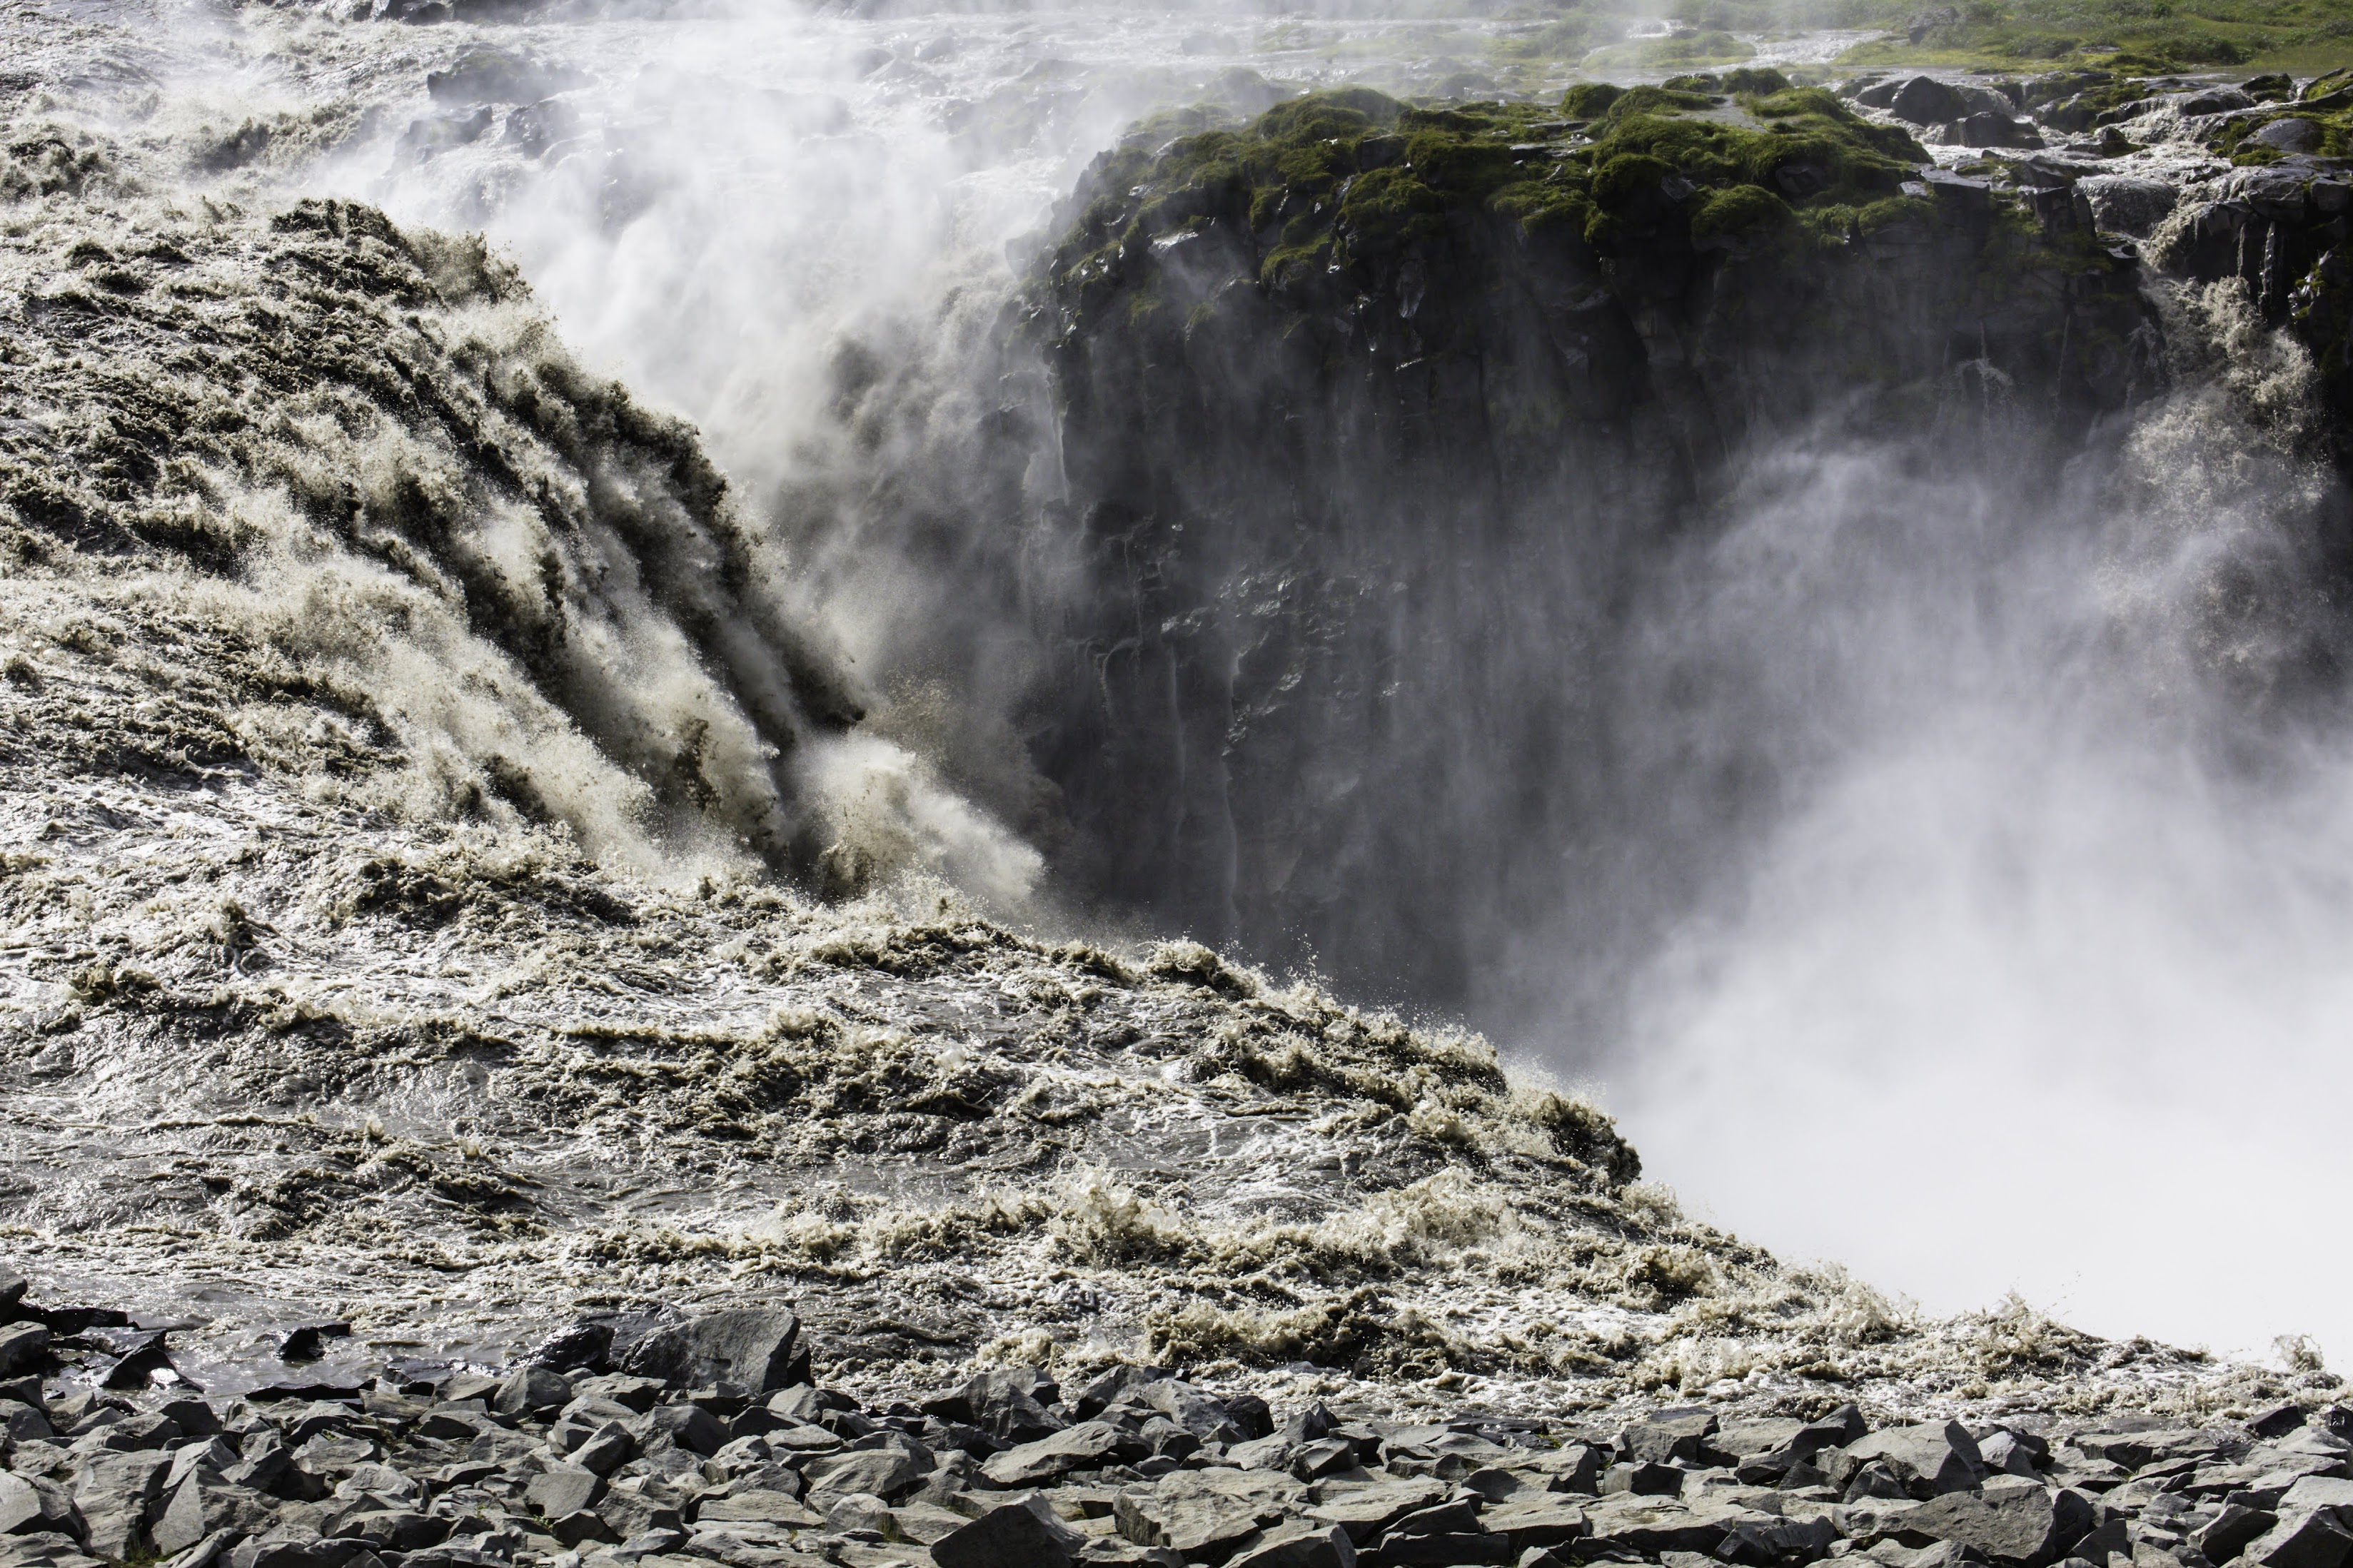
x: 694, y: 1439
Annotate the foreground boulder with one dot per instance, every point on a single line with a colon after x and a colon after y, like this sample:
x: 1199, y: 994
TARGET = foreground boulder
x: 2013, y: 1520
x: 749, y: 1347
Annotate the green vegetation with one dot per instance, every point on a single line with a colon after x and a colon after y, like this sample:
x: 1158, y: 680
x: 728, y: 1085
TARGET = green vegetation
x: 2303, y: 36
x: 2127, y: 35
x: 2239, y: 140
x: 2326, y: 103
x: 1336, y: 178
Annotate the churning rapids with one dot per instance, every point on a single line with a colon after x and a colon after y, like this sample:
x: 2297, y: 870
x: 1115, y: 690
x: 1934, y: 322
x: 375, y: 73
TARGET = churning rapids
x: 639, y: 658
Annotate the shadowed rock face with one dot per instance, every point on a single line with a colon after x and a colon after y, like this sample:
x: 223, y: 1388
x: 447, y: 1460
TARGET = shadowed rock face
x: 1376, y: 421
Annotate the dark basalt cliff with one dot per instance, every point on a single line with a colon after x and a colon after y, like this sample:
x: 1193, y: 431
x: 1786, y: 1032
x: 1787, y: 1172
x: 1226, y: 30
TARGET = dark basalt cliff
x: 1375, y: 419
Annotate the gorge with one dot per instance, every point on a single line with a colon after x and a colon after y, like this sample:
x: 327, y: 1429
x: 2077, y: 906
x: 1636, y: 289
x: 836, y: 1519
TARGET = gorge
x: 1113, y: 602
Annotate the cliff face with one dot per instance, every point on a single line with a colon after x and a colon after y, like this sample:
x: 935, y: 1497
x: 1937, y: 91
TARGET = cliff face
x: 1376, y: 419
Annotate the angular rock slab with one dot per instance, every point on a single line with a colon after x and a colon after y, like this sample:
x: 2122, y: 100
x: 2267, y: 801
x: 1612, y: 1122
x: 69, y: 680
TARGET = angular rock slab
x: 2016, y: 1522
x: 1024, y: 1533
x: 1207, y: 1514
x: 749, y: 1346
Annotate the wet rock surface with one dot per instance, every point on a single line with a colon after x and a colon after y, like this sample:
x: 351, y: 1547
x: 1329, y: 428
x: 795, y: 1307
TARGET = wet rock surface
x: 411, y: 1468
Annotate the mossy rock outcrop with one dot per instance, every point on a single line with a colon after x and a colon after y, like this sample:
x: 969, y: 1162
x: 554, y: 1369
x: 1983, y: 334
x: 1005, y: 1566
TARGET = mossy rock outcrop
x: 1321, y: 374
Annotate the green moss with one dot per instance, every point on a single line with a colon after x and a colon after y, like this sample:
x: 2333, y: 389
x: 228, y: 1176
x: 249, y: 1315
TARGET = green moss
x: 1589, y: 100
x: 2237, y: 142
x: 1539, y: 205
x: 2131, y: 35
x: 1745, y: 81
x: 1736, y: 213
x: 1817, y: 150
x: 1328, y: 183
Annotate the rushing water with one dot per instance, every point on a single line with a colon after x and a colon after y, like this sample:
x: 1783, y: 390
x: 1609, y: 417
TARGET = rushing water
x: 2030, y: 978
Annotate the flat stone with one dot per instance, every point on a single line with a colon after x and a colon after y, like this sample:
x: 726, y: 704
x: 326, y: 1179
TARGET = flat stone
x: 1364, y: 1509
x: 1202, y: 1414
x: 459, y: 1421
x: 395, y: 1530
x: 1271, y: 1453
x: 1648, y: 1526
x: 888, y: 1472
x: 565, y: 1489
x: 1766, y: 1538
x: 635, y: 1394
x: 757, y: 1507
x: 2007, y: 1453
x: 1436, y: 1551
x: 2318, y: 1491
x: 44, y: 1549
x: 1312, y: 1461
x: 1574, y: 1468
x: 1297, y: 1545
x: 1088, y: 1445
x: 1868, y: 1520
x: 1115, y: 1385
x: 805, y: 1439
x: 583, y: 1346
x: 1840, y: 1426
x: 1455, y: 1516
x: 1740, y: 1439
x: 2213, y: 100
x: 1541, y: 1520
x: 21, y: 1506
x: 1959, y: 193
x: 1207, y: 1514
x: 633, y: 1513
x: 1118, y: 1551
x: 574, y: 1529
x: 2136, y: 1450
x: 923, y: 1523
